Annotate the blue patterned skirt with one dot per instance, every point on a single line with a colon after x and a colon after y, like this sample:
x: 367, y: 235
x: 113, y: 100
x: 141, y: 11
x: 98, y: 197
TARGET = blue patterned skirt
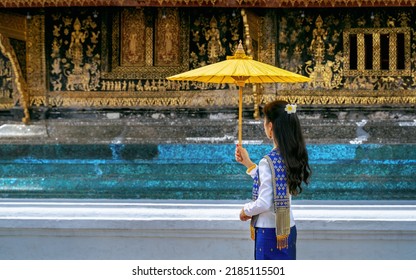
x: 266, y: 245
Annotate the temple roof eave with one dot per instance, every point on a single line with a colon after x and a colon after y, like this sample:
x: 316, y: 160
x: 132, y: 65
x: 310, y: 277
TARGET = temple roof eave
x: 207, y: 3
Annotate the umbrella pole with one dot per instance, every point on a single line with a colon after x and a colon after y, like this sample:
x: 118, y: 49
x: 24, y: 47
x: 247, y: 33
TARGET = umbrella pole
x: 240, y: 115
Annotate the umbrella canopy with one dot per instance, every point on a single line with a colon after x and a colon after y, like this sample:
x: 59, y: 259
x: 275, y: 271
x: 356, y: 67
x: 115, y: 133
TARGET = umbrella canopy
x: 239, y: 69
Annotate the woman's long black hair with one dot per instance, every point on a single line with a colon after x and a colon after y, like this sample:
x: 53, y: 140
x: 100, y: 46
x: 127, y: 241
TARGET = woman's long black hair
x: 288, y: 134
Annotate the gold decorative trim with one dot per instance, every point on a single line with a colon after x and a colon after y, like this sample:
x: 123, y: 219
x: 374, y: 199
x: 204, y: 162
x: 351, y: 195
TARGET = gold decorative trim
x: 199, y: 3
x: 181, y: 99
x: 225, y: 98
x: 349, y: 100
x: 36, y: 61
x: 346, y: 97
x: 376, y: 47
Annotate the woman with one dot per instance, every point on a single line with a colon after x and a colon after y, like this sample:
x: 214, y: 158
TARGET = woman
x: 278, y: 176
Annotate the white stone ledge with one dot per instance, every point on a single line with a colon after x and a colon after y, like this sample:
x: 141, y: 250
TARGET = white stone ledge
x: 162, y: 229
x: 102, y: 214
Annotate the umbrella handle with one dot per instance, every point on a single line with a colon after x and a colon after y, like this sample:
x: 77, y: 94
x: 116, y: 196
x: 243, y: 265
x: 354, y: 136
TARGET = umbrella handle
x: 240, y: 115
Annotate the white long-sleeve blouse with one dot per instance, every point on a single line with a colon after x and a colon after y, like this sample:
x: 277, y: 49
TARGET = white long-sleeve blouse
x: 263, y: 206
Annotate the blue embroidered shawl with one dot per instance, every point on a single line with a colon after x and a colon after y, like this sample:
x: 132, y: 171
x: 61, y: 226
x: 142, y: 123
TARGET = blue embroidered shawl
x: 281, y: 197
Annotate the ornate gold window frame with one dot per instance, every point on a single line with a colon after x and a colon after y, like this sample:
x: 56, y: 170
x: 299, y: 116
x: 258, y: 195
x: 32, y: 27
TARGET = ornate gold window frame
x: 113, y: 69
x: 376, y: 71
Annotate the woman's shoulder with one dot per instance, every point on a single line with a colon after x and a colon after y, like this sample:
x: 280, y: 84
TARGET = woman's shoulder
x: 274, y: 158
x: 263, y: 161
x: 275, y: 153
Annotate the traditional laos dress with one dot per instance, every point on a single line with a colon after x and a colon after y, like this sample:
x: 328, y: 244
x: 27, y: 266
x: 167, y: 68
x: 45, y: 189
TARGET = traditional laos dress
x: 272, y: 225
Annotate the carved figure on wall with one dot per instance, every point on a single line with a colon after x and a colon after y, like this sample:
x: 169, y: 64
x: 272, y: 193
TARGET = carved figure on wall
x: 319, y: 35
x: 386, y: 83
x: 56, y: 30
x: 90, y: 50
x: 147, y: 86
x: 404, y: 19
x: 133, y: 37
x: 132, y: 49
x: 167, y: 38
x: 325, y: 68
x: 215, y: 48
x: 195, y: 35
x: 391, y: 22
x: 212, y: 38
x: 338, y: 71
x: 235, y: 23
x: 95, y: 74
x: 56, y: 66
x: 75, y: 50
x: 6, y: 86
x: 56, y: 46
x: 80, y: 80
x: 361, y: 21
x: 57, y: 85
x: 124, y: 86
x: 94, y: 37
x: 139, y: 86
x: 376, y: 20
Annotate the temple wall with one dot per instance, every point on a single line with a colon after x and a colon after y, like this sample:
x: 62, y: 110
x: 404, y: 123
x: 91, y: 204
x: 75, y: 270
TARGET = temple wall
x: 117, y: 58
x: 82, y: 62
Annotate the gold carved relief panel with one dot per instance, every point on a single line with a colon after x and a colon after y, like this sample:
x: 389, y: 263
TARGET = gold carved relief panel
x: 73, y: 43
x: 152, y: 43
x: 353, y: 56
x: 133, y: 38
x: 167, y: 45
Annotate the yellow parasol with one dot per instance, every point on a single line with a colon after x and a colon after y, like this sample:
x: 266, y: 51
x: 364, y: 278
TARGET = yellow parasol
x: 240, y: 69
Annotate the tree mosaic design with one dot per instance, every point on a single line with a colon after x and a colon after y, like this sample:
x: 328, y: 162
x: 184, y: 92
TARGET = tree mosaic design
x: 73, y: 50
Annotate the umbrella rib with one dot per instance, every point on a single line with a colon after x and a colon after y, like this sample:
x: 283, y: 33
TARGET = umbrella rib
x: 255, y: 72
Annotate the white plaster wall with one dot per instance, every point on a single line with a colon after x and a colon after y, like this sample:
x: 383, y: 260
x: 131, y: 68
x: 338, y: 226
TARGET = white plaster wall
x: 107, y: 229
